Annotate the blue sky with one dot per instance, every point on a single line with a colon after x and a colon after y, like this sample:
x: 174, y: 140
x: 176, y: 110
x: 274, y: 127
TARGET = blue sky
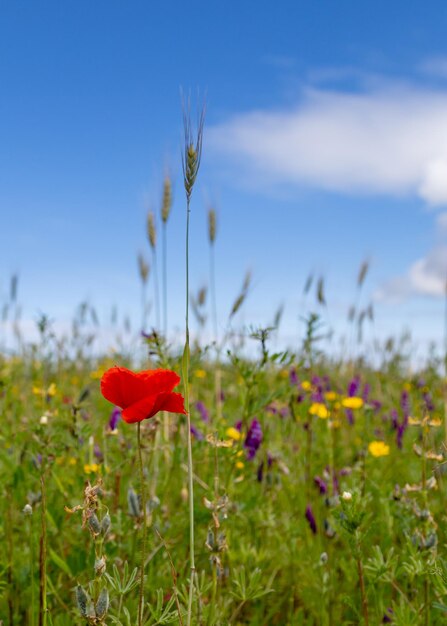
x: 325, y: 144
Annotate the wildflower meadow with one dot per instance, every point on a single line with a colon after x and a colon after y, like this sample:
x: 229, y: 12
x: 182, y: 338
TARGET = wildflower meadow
x: 218, y: 479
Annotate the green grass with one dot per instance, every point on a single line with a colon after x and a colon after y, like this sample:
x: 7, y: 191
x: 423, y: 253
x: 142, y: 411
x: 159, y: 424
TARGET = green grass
x: 258, y: 560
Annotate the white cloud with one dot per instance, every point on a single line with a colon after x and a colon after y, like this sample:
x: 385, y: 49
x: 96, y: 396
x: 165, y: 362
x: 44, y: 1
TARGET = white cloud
x: 427, y: 277
x: 386, y: 141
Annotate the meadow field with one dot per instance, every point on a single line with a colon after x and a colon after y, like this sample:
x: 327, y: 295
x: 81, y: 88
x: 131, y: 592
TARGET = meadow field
x: 282, y: 487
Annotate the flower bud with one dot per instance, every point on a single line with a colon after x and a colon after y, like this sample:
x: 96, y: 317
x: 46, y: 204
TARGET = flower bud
x: 346, y: 496
x: 27, y: 509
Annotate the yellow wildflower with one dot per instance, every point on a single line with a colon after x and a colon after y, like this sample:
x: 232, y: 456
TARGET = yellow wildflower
x: 233, y: 433
x: 51, y: 391
x: 435, y: 422
x: 240, y: 465
x: 306, y: 385
x: 319, y: 409
x: 379, y: 448
x: 412, y: 421
x: 200, y: 374
x: 72, y: 460
x: 330, y: 396
x: 91, y: 468
x: 352, y: 403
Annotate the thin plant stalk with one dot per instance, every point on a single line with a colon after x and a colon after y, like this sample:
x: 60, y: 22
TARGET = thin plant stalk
x: 143, y: 541
x: 43, y: 556
x: 32, y: 556
x: 165, y: 278
x: 363, y: 591
x: 217, y: 371
x: 156, y: 286
x: 189, y: 438
x: 191, y: 163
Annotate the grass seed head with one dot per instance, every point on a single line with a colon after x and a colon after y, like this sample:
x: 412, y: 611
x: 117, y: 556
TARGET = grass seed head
x: 192, y: 152
x: 143, y: 268
x: 212, y: 225
x: 151, y: 232
x: 166, y: 202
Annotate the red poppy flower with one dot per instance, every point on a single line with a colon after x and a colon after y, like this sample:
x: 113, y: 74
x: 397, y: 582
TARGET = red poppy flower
x: 142, y: 394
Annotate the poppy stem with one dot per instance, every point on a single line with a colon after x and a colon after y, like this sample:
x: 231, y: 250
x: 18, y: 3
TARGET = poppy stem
x: 143, y: 542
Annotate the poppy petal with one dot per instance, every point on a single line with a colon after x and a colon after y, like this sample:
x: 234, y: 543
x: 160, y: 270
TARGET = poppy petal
x: 159, y: 381
x: 139, y: 411
x: 172, y: 402
x: 122, y: 386
x: 150, y: 405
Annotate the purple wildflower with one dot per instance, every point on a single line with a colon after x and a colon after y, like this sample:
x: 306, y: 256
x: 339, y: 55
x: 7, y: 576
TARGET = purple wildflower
x: 317, y: 394
x: 293, y: 377
x: 201, y: 408
x: 238, y: 425
x: 196, y: 433
x: 97, y: 452
x: 428, y: 401
x: 260, y: 472
x: 253, y: 439
x: 353, y: 387
x: 401, y: 428
x: 114, y: 418
x: 405, y: 403
x: 394, y: 419
x: 366, y: 391
x: 320, y: 483
x: 376, y: 405
x: 349, y: 416
x: 326, y: 383
x: 311, y: 519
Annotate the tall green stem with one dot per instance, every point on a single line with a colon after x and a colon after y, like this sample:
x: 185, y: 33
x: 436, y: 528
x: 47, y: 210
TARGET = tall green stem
x: 43, y: 556
x: 165, y: 281
x: 189, y: 439
x: 156, y: 288
x: 143, y: 542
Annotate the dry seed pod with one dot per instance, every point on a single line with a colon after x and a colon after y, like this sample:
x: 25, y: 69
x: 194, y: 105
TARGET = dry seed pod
x: 105, y: 524
x: 133, y: 503
x: 82, y: 600
x: 102, y: 604
x: 100, y: 566
x: 93, y: 524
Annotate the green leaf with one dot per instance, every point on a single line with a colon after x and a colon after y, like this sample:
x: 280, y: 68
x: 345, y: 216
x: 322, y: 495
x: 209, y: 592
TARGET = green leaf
x: 61, y: 564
